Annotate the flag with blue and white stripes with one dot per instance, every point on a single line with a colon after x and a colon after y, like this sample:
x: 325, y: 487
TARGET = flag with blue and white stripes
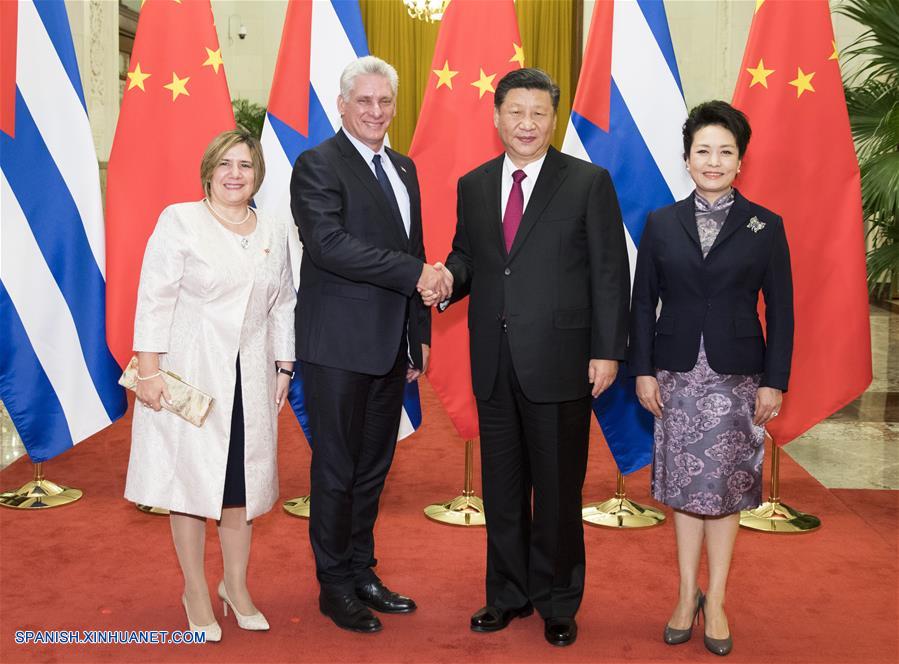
x: 319, y: 39
x: 627, y: 117
x: 58, y: 379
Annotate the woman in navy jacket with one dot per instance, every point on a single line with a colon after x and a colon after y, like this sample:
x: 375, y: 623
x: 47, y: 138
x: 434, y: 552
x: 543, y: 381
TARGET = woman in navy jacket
x: 704, y: 367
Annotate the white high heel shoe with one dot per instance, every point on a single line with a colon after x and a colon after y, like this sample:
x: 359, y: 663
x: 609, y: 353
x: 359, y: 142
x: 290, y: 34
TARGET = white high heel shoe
x: 255, y: 622
x: 212, y: 631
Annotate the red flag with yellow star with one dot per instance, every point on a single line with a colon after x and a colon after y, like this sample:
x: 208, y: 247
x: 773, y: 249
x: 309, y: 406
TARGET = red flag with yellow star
x: 478, y: 44
x: 801, y: 163
x: 175, y: 101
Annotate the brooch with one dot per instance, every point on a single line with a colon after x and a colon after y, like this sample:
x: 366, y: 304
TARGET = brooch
x: 755, y: 225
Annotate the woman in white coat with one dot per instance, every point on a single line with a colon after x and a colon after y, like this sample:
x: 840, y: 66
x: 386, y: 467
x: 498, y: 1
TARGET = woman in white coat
x: 215, y: 305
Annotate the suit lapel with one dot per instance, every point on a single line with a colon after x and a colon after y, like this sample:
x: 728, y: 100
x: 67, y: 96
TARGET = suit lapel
x: 356, y: 164
x: 686, y: 215
x: 492, y: 179
x: 414, y: 194
x: 739, y: 213
x: 551, y: 175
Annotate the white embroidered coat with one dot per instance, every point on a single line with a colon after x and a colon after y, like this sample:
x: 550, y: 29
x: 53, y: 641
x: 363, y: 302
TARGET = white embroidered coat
x: 202, y: 298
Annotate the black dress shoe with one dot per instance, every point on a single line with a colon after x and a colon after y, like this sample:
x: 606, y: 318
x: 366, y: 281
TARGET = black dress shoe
x: 492, y: 619
x: 560, y: 631
x: 379, y: 597
x: 348, y: 612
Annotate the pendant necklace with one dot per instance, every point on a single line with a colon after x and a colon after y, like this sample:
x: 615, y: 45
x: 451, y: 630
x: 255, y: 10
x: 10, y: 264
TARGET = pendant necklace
x: 244, y: 240
x: 222, y: 218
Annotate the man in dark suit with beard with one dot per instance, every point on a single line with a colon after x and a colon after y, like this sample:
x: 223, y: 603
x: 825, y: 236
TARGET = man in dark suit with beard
x: 360, y: 333
x: 540, y: 250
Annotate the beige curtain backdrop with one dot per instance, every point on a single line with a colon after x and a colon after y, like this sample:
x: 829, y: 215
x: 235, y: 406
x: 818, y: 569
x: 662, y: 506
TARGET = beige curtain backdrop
x: 550, y: 34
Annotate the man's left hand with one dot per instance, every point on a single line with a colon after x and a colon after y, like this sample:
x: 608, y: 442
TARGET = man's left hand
x: 601, y: 373
x: 412, y: 373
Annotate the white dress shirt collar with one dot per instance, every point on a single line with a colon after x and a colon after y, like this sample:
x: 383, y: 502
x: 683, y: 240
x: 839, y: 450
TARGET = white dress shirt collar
x: 532, y: 171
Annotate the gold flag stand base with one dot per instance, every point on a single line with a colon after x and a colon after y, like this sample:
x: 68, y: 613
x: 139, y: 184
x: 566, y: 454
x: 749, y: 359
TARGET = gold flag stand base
x: 463, y: 510
x: 298, y: 507
x: 149, y: 509
x: 773, y: 516
x: 620, y: 512
x: 39, y: 493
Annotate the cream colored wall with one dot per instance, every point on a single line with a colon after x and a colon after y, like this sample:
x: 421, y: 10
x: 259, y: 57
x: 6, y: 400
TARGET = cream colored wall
x: 250, y: 62
x: 708, y: 35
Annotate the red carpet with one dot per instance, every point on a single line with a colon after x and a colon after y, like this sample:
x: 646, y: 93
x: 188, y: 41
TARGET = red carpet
x: 99, y: 564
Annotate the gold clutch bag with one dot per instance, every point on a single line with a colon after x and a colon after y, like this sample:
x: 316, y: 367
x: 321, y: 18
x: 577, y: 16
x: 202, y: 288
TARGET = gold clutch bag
x: 187, y: 401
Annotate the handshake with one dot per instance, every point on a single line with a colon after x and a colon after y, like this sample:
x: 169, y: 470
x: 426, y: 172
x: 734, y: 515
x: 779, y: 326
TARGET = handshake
x: 435, y: 284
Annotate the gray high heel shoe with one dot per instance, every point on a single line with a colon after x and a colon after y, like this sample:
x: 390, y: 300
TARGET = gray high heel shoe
x: 673, y: 636
x: 720, y: 647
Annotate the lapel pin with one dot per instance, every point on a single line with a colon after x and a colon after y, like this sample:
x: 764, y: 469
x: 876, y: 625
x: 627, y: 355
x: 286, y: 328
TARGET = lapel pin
x: 755, y: 225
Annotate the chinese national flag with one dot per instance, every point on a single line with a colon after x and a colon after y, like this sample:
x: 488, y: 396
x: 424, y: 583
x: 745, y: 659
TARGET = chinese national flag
x: 478, y: 44
x: 801, y: 163
x: 175, y: 101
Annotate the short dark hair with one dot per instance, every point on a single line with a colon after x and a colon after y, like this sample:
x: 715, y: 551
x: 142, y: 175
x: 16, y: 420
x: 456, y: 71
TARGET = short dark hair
x: 719, y: 113
x: 529, y: 78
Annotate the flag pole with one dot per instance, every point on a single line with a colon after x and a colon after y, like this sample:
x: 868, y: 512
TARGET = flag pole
x: 773, y: 516
x: 39, y: 493
x: 298, y: 507
x: 621, y: 512
x: 466, y: 509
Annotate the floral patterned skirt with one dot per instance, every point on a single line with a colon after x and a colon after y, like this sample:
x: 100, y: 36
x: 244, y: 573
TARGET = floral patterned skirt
x: 707, y: 458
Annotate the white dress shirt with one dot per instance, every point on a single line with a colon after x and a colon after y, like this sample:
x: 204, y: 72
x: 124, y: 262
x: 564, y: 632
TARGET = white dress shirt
x: 532, y: 170
x: 399, y: 189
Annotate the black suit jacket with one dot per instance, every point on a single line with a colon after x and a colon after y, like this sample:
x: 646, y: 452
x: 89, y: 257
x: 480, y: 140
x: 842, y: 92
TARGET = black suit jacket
x: 359, y: 270
x: 563, y: 287
x: 716, y: 297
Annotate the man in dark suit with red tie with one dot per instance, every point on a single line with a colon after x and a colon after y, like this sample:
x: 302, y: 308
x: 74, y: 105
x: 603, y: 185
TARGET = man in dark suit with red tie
x: 361, y: 332
x: 540, y: 250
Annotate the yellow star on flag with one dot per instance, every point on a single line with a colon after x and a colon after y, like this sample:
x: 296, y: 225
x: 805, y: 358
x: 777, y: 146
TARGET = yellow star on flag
x: 758, y: 5
x: 836, y: 53
x: 519, y: 55
x: 137, y: 77
x: 445, y: 75
x: 484, y: 84
x: 178, y: 86
x: 760, y: 74
x: 802, y: 82
x: 214, y: 60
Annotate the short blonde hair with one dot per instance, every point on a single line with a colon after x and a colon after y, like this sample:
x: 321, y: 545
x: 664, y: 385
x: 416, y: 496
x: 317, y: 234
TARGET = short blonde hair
x: 217, y: 148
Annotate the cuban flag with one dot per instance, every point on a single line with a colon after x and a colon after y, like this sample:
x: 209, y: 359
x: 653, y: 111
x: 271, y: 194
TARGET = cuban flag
x: 58, y: 379
x: 320, y: 38
x: 627, y: 117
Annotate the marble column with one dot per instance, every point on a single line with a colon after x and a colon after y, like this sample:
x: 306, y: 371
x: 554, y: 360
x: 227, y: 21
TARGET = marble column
x: 95, y: 32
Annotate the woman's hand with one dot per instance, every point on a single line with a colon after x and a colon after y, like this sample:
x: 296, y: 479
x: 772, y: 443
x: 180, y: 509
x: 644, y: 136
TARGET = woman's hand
x: 767, y: 405
x: 649, y: 395
x: 281, y: 390
x: 151, y: 391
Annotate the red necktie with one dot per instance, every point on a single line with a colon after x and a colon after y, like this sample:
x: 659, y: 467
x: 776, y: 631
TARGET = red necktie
x: 514, y: 209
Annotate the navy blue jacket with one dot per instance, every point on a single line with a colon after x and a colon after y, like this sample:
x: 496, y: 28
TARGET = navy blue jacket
x: 359, y: 270
x: 716, y: 297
